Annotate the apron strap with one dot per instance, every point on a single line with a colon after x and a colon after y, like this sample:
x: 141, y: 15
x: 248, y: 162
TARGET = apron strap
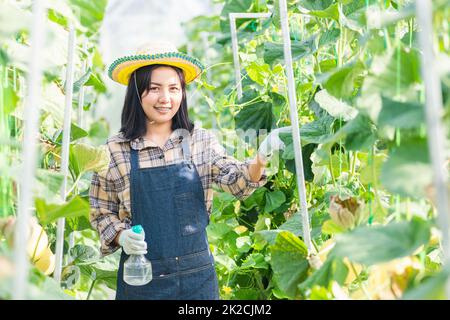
x: 134, y: 159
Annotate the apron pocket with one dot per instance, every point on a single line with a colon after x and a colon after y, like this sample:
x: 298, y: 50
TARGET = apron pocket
x: 189, y: 210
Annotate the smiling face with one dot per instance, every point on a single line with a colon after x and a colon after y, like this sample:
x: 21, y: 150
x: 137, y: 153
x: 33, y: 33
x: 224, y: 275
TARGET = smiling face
x: 162, y: 99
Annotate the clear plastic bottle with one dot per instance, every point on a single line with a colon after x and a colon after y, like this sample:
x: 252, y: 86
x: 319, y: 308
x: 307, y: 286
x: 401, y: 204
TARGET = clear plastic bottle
x: 137, y: 269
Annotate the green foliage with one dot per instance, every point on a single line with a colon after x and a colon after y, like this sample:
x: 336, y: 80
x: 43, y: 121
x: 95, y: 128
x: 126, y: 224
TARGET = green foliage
x: 376, y: 244
x: 362, y: 118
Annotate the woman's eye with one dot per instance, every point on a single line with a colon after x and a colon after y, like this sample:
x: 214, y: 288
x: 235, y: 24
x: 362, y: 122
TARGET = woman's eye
x: 175, y: 88
x: 153, y: 88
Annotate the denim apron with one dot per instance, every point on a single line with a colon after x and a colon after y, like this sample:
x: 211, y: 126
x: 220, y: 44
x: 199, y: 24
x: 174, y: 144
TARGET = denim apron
x: 168, y: 201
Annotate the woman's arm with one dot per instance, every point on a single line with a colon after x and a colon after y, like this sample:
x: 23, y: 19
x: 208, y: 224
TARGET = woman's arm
x: 239, y: 178
x: 104, y: 214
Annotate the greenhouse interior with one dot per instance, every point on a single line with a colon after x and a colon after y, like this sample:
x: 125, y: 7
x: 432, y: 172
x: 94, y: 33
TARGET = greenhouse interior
x: 225, y: 150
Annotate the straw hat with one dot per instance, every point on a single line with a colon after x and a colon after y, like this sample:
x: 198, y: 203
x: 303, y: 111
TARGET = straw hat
x: 155, y: 53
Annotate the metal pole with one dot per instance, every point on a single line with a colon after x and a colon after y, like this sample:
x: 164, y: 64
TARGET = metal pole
x: 295, y: 125
x: 65, y: 151
x: 29, y: 151
x: 80, y: 124
x: 434, y: 113
x: 234, y: 42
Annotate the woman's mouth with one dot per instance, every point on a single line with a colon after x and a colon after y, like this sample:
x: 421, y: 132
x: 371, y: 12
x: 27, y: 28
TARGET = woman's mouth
x: 163, y: 110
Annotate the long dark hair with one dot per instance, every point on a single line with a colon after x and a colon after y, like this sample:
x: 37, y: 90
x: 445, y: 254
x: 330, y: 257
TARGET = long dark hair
x: 133, y: 116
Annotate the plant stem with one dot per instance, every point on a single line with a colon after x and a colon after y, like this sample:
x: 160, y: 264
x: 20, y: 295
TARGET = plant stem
x: 331, y: 169
x: 361, y: 284
x: 90, y: 289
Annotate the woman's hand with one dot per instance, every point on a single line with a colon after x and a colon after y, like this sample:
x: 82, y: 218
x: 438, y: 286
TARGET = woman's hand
x: 132, y: 242
x: 256, y: 168
x: 272, y: 143
x: 266, y: 150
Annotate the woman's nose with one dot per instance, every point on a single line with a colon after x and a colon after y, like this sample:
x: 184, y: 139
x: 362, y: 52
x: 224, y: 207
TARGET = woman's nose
x: 164, y: 95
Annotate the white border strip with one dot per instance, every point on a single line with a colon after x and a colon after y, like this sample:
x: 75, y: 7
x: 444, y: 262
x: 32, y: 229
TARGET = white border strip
x: 29, y: 151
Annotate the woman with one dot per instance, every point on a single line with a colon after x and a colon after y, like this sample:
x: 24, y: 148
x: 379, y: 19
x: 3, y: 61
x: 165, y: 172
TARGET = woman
x: 161, y: 175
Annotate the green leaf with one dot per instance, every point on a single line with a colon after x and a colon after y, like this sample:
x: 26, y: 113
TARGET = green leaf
x: 393, y: 73
x: 408, y: 171
x: 260, y: 73
x: 317, y: 131
x: 433, y: 288
x: 275, y: 51
x: 360, y: 133
x: 339, y: 164
x: 376, y: 244
x: 335, y: 107
x: 288, y: 261
x: 84, y: 158
x: 78, y: 224
x: 274, y: 199
x: 329, y: 36
x: 256, y: 199
x: 99, y: 131
x: 293, y: 225
x: 75, y: 133
x: 225, y: 261
x: 61, y: 13
x: 83, y: 254
x: 233, y: 6
x: 48, y: 183
x: 357, y: 134
x: 243, y: 244
x: 255, y: 261
x: 109, y: 277
x: 51, y: 290
x: 255, y: 116
x: 9, y: 99
x: 96, y: 81
x: 332, y: 270
x: 330, y: 227
x: 371, y: 170
x: 216, y: 231
x: 315, y: 4
x: 90, y: 13
x: 306, y: 158
x: 49, y: 213
x: 404, y: 115
x: 332, y: 12
x: 345, y: 82
x: 82, y: 81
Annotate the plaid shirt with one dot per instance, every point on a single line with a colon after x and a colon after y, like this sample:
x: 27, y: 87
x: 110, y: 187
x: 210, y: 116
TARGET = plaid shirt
x: 110, y: 189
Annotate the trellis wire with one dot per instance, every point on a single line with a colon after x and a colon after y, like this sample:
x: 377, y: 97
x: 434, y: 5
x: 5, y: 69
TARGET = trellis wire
x: 234, y: 42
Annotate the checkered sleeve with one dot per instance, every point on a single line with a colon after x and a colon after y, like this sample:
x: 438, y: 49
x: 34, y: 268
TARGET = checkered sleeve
x: 230, y: 174
x: 104, y: 212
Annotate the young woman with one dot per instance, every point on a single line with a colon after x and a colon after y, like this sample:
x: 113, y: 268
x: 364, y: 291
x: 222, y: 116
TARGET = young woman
x: 160, y: 176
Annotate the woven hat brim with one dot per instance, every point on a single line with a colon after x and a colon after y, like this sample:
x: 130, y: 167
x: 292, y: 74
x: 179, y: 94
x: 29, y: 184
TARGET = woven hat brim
x: 121, y: 69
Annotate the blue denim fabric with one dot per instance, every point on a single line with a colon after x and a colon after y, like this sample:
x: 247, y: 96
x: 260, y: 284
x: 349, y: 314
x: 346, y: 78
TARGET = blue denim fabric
x: 168, y: 202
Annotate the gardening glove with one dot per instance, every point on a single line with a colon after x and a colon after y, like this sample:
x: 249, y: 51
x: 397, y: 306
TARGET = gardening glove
x: 272, y: 143
x: 132, y: 242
